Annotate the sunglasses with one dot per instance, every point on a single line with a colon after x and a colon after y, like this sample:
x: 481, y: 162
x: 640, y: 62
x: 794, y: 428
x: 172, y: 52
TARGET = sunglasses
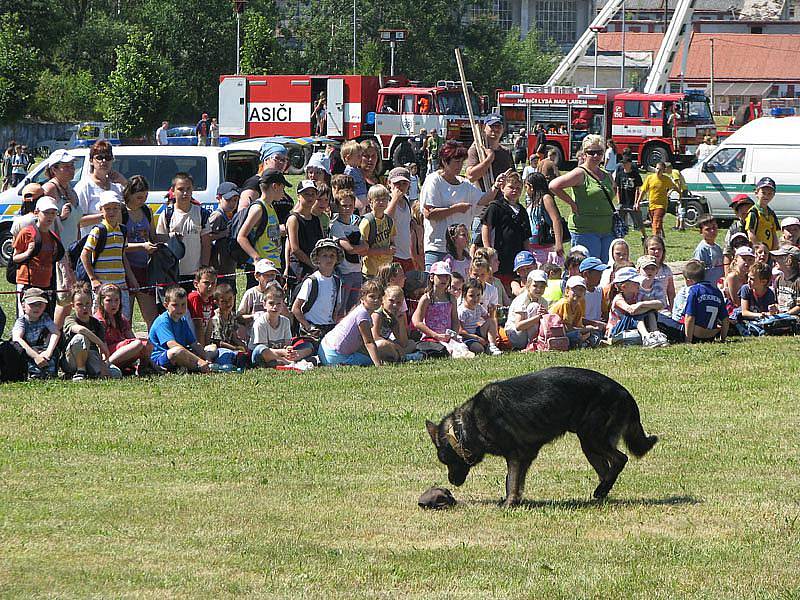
x: 103, y: 157
x: 593, y: 152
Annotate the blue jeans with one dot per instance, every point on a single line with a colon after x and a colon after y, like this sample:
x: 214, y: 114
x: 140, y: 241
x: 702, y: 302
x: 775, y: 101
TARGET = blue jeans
x: 333, y: 358
x: 432, y: 257
x: 596, y: 243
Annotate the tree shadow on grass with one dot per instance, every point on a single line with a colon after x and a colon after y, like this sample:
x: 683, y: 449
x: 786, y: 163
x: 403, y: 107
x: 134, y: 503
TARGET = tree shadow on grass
x: 591, y: 503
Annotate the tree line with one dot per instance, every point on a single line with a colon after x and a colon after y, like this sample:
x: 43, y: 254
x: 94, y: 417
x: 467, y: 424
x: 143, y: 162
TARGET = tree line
x: 136, y: 62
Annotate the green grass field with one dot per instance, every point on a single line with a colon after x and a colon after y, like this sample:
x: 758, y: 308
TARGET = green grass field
x: 274, y: 484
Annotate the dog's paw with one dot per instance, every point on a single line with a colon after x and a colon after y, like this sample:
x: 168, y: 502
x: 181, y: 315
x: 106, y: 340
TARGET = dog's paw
x: 601, y: 491
x: 511, y: 502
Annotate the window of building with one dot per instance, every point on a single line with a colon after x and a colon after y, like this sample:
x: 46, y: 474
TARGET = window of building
x: 497, y: 10
x: 556, y: 19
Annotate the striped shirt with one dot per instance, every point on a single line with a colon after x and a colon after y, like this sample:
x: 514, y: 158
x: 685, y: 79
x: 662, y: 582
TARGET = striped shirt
x: 108, y: 267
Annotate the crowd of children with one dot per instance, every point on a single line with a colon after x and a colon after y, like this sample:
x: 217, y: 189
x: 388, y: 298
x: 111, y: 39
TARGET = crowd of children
x: 345, y: 297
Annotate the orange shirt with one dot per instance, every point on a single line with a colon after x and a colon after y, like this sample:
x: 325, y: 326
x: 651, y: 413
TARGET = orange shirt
x: 572, y: 317
x: 38, y: 271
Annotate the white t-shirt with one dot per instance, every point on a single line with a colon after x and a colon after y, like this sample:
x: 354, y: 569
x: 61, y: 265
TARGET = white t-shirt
x: 88, y: 193
x: 490, y: 297
x: 522, y: 307
x: 472, y: 318
x: 340, y: 231
x: 611, y: 160
x: 264, y: 333
x: 189, y: 227
x: 594, y: 304
x: 161, y: 136
x: 437, y: 193
x: 402, y: 225
x: 321, y: 312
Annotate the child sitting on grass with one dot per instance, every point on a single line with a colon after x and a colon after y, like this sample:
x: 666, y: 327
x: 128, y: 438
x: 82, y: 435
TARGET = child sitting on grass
x: 758, y: 300
x: 456, y: 286
x: 787, y: 283
x: 226, y: 347
x: 474, y: 319
x: 526, y: 311
x: 389, y: 328
x: 705, y: 316
x: 85, y: 351
x: 201, y: 302
x: 437, y: 311
x: 737, y: 276
x: 35, y: 335
x: 524, y: 263
x: 571, y: 309
x: 489, y: 298
x: 707, y: 251
x: 491, y: 257
x: 126, y: 350
x: 253, y: 299
x: 628, y: 313
x: 271, y: 342
x: 619, y: 255
x: 351, y: 341
x: 552, y: 292
x: 175, y: 347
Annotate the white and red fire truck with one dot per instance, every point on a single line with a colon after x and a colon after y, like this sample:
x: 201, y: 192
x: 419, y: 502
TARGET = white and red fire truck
x: 656, y: 127
x: 356, y: 108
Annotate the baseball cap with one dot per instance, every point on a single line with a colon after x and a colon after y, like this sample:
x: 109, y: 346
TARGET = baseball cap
x: 46, y: 203
x: 626, y: 274
x: 399, y: 174
x: 524, y: 259
x: 320, y: 160
x: 227, y: 190
x: 30, y: 189
x: 582, y: 249
x: 745, y: 251
x: 273, y: 176
x: 740, y: 199
x: 575, y: 281
x: 789, y: 221
x: 60, y: 156
x: 109, y: 197
x: 305, y: 184
x: 33, y: 295
x: 592, y: 264
x: 265, y: 265
x: 786, y: 250
x: 440, y: 268
x: 270, y: 148
x: 537, y: 275
x: 766, y: 182
x: 493, y: 118
x: 646, y: 261
x: 738, y: 236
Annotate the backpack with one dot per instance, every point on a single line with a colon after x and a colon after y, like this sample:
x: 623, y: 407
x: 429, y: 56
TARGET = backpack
x: 204, y: 214
x: 234, y: 249
x: 13, y: 362
x: 11, y: 266
x: 148, y: 214
x: 552, y: 334
x: 373, y: 229
x: 309, y: 302
x: 76, y: 249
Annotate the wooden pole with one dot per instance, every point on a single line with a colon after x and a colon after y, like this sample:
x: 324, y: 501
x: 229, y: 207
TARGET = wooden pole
x: 477, y: 133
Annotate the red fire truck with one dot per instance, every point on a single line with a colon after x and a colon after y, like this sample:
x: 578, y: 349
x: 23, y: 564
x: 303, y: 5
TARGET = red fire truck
x: 356, y: 108
x: 655, y: 127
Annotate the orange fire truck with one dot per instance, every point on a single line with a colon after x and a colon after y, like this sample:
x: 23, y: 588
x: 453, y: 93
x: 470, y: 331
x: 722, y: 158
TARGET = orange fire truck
x: 656, y: 127
x: 355, y: 107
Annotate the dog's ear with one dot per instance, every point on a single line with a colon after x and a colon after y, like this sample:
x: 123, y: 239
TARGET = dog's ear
x: 433, y: 431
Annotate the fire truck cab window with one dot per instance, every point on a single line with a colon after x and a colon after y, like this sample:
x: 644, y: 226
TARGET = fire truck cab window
x: 727, y: 160
x: 391, y: 104
x: 408, y: 104
x: 633, y: 108
x: 452, y: 103
x: 656, y: 110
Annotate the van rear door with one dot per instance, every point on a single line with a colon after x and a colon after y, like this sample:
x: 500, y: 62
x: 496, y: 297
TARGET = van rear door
x: 780, y: 163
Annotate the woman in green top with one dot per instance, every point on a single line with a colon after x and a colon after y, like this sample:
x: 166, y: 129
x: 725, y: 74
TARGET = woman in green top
x: 591, y: 200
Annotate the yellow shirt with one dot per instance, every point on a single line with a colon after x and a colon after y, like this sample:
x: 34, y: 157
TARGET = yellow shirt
x: 763, y: 223
x: 383, y: 239
x: 572, y: 317
x: 108, y: 266
x: 657, y: 188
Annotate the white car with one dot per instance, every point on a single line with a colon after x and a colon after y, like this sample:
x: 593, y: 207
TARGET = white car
x: 208, y: 166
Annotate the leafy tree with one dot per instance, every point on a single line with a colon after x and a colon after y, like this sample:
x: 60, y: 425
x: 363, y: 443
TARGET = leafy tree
x: 533, y: 59
x: 261, y: 51
x: 136, y: 94
x: 66, y: 96
x: 19, y: 65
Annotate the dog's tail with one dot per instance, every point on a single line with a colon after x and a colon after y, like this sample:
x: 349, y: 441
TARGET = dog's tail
x: 635, y: 438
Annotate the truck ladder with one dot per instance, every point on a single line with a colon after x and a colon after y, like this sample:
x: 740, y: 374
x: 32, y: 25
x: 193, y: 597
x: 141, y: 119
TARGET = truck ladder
x: 679, y: 29
x: 570, y: 61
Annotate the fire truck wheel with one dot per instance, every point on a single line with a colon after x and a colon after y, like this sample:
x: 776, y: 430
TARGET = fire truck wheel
x: 694, y: 209
x: 6, y: 246
x: 298, y: 158
x: 655, y: 154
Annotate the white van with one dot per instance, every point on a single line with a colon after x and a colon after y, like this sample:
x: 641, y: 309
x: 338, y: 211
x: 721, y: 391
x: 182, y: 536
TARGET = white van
x: 765, y: 147
x: 208, y: 166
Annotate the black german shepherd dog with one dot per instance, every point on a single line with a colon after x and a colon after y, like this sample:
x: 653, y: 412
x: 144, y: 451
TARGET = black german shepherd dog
x: 514, y: 418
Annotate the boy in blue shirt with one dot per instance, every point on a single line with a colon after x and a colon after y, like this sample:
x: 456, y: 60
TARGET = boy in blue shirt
x: 174, y: 344
x: 708, y: 251
x: 705, y: 317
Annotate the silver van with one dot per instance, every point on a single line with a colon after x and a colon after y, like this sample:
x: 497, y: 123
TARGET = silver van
x: 208, y: 166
